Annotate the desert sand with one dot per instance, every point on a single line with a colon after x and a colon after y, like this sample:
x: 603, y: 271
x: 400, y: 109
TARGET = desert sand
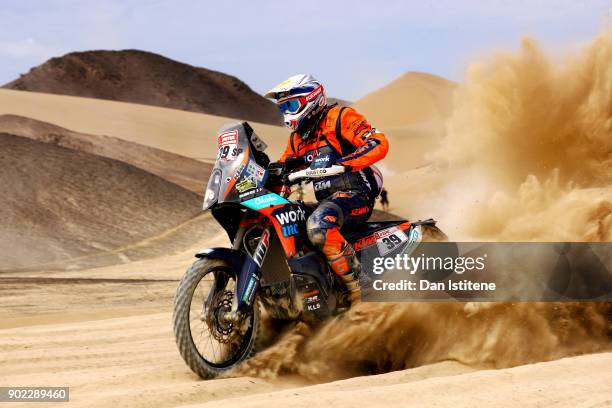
x: 100, y: 321
x: 184, y: 133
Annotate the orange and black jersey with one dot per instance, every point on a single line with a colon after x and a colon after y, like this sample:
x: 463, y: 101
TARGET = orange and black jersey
x: 343, y: 136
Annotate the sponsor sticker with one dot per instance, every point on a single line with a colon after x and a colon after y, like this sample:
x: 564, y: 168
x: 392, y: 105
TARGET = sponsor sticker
x: 255, y: 171
x: 228, y: 143
x: 228, y: 138
x: 315, y: 172
x: 330, y: 218
x: 245, y: 185
x: 249, y: 292
x: 414, y: 238
x: 250, y: 193
x: 293, y: 215
x: 360, y: 128
x: 266, y: 200
x: 383, y: 239
x: 289, y: 218
x: 360, y: 210
x: 321, y: 185
x: 314, y: 94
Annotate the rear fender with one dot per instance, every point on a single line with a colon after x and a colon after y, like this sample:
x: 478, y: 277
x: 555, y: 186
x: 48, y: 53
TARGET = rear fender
x: 246, y: 270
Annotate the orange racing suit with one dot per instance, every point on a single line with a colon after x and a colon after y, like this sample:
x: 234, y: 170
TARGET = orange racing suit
x: 342, y: 136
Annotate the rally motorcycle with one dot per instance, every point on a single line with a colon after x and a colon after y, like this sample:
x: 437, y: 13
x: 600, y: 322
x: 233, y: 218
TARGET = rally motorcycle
x: 271, y: 263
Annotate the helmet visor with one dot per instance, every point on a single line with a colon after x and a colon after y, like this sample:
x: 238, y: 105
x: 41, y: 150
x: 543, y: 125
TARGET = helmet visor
x: 290, y: 106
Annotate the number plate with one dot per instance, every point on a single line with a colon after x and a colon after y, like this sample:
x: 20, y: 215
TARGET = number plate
x: 228, y: 145
x: 390, y: 239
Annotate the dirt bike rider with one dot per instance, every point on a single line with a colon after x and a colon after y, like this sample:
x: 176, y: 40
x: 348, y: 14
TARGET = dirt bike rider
x: 323, y: 136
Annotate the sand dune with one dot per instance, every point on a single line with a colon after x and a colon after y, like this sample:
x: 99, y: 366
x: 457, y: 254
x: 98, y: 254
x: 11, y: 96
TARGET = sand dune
x: 186, y: 172
x: 414, y: 97
x: 58, y: 203
x: 185, y: 133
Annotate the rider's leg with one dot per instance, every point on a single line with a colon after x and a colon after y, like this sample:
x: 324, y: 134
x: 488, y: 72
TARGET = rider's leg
x: 341, y: 209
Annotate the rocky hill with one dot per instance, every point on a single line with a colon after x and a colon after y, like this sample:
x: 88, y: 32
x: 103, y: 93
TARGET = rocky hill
x: 147, y: 78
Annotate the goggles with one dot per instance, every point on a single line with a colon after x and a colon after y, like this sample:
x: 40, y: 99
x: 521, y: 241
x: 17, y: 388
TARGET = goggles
x: 290, y: 106
x: 294, y: 105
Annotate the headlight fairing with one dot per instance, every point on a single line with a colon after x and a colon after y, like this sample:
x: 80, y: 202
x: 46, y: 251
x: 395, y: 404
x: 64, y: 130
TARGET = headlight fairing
x: 211, y: 195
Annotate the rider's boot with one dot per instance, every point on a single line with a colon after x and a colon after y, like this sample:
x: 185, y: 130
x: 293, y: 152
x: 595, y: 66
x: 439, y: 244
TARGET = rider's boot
x: 347, y: 266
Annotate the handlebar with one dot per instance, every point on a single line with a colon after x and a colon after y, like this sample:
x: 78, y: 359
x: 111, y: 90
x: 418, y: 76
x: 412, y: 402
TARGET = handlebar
x: 316, y: 173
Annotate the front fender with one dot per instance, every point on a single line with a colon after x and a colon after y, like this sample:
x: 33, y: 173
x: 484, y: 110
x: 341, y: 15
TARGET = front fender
x: 246, y: 271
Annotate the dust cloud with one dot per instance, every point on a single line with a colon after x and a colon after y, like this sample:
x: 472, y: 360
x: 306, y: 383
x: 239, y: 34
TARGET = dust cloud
x: 375, y: 338
x: 531, y: 141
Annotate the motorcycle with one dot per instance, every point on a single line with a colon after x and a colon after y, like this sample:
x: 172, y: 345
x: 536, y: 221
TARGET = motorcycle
x: 271, y: 262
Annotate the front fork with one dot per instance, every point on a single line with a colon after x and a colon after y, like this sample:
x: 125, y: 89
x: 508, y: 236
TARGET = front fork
x: 247, y: 280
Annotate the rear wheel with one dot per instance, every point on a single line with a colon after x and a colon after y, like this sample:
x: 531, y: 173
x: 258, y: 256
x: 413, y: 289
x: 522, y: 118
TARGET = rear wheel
x: 207, y: 341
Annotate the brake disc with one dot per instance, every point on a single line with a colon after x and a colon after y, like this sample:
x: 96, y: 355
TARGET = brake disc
x: 221, y: 303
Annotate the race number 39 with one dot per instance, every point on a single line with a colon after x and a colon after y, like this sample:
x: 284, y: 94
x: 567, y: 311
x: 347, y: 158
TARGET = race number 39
x: 390, y: 239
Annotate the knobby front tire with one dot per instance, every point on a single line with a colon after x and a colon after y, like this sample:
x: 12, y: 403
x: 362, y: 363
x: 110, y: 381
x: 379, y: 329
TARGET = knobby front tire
x: 191, y: 350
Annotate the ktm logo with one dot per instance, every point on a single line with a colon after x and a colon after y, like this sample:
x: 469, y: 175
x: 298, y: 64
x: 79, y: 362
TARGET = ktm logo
x: 360, y: 211
x: 321, y: 185
x: 364, y: 242
x: 330, y: 218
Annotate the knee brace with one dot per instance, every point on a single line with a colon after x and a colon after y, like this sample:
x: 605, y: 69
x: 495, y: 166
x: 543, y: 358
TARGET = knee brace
x: 326, y: 217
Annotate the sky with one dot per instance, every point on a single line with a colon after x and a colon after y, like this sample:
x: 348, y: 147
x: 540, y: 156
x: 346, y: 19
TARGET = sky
x: 354, y: 47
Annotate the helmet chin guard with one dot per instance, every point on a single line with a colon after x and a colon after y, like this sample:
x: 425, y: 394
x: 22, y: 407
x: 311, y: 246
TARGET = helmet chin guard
x: 299, y: 99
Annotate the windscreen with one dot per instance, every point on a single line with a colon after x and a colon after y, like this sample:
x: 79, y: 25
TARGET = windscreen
x: 235, y: 170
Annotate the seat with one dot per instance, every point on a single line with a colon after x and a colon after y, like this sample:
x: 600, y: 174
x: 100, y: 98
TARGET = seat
x: 352, y: 233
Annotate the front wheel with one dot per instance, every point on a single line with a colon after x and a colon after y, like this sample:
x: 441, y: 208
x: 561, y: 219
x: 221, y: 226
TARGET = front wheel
x: 208, y: 343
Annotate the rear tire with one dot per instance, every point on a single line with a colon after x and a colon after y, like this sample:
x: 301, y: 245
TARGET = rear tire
x: 184, y: 316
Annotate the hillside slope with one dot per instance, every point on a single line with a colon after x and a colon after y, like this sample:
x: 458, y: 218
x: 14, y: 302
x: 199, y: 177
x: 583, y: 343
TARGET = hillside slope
x: 184, y: 133
x: 58, y: 203
x: 147, y: 78
x: 184, y: 171
x: 414, y: 97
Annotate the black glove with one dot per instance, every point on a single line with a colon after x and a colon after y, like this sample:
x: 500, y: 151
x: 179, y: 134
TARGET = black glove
x: 275, y: 174
x: 293, y: 163
x: 276, y: 168
x: 279, y: 171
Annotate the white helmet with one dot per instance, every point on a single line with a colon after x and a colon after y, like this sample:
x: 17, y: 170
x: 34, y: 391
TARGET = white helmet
x: 299, y: 98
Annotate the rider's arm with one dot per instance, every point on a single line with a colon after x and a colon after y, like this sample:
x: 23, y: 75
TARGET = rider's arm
x: 371, y: 144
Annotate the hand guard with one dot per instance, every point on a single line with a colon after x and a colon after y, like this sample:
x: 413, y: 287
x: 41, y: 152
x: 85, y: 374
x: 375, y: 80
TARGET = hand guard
x: 278, y: 171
